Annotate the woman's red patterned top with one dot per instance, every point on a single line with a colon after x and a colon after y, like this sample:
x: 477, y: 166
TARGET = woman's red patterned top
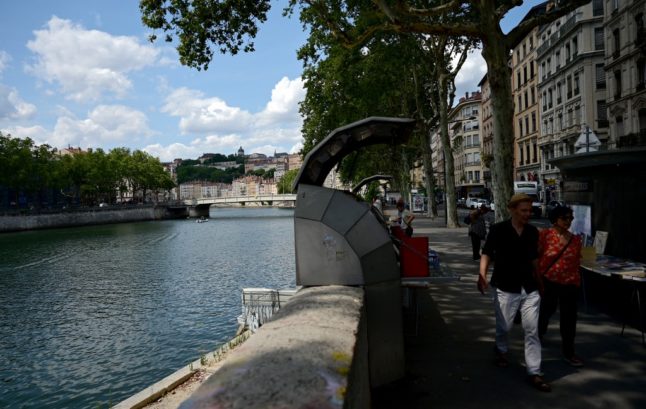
x: 566, y: 269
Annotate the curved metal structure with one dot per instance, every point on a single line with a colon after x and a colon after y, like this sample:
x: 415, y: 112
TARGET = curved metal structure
x: 370, y: 179
x: 340, y: 241
x: 347, y: 139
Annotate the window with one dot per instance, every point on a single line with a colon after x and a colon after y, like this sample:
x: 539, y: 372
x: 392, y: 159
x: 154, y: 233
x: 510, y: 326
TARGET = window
x: 600, y: 76
x: 618, y: 84
x: 641, y: 74
x: 527, y: 152
x: 598, y: 38
x: 525, y: 73
x: 531, y: 42
x: 535, y: 155
x: 617, y: 43
x: 533, y: 121
x: 476, y: 174
x: 521, y: 159
x: 557, y: 59
x: 597, y: 7
x: 601, y: 111
x: 543, y: 72
x: 526, y: 124
x: 526, y: 100
x: 544, y: 102
x: 620, y: 126
x: 517, y: 79
x: 576, y: 84
x: 568, y: 87
x: 549, y: 66
x: 549, y: 98
x: 476, y: 140
x: 533, y: 96
x: 558, y: 93
x: 575, y: 46
x: 520, y: 103
x: 520, y: 127
x: 567, y: 53
x: 524, y: 50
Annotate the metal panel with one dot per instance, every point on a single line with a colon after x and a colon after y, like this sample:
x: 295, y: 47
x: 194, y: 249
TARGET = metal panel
x: 311, y: 201
x: 380, y: 265
x: 323, y: 256
x: 385, y: 332
x: 344, y: 212
x: 367, y: 234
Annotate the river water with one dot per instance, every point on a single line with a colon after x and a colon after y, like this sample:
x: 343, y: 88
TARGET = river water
x: 92, y: 315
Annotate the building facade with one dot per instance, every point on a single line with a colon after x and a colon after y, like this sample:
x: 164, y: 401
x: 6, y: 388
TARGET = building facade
x: 465, y: 133
x: 527, y: 159
x: 572, y: 88
x: 625, y: 68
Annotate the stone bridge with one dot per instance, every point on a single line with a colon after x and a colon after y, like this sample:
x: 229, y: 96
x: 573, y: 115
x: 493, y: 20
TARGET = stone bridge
x: 200, y: 207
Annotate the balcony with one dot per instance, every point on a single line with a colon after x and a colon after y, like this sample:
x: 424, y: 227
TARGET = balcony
x: 632, y: 140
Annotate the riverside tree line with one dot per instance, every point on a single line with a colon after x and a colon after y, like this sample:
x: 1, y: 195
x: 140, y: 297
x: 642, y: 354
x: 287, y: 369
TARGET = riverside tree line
x: 39, y: 176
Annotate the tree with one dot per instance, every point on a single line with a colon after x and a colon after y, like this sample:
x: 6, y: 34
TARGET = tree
x: 286, y: 182
x: 229, y: 25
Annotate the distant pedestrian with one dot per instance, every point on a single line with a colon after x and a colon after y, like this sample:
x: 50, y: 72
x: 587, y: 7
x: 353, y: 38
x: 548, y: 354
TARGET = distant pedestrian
x: 513, y: 244
x: 477, y: 229
x: 559, y: 261
x: 405, y: 218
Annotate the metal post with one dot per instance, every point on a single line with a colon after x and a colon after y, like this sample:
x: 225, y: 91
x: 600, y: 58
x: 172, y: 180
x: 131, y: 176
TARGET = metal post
x: 587, y: 139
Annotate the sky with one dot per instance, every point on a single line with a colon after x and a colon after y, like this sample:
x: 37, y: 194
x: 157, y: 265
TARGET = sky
x: 82, y: 73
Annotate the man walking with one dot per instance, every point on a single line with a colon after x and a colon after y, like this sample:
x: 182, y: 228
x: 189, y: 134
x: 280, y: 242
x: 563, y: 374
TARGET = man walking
x: 513, y: 245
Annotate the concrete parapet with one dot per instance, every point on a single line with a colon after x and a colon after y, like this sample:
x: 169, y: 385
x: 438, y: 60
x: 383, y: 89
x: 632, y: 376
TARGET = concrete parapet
x: 313, y: 354
x: 88, y: 217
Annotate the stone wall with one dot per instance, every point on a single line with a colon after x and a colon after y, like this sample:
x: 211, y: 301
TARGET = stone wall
x: 85, y: 218
x: 312, y: 354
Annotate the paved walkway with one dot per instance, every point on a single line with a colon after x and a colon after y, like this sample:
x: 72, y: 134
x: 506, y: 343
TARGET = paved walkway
x: 449, y: 362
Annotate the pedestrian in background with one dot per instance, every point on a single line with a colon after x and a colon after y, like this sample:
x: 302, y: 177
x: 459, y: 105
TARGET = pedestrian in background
x: 477, y: 229
x: 405, y: 218
x: 513, y: 244
x: 559, y: 261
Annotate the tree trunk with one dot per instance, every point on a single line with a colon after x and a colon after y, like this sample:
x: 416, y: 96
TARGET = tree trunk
x: 427, y: 155
x: 496, y: 53
x: 450, y: 203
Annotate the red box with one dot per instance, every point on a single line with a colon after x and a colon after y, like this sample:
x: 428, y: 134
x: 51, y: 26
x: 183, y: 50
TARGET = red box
x: 413, y: 257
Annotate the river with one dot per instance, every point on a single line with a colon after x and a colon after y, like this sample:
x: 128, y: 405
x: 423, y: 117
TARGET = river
x: 92, y: 315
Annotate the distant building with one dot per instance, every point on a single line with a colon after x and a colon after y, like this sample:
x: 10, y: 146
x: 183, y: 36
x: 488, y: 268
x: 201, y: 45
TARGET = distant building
x: 241, y: 152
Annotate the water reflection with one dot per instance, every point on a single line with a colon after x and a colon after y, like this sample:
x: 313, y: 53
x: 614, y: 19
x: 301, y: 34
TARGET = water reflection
x: 92, y: 315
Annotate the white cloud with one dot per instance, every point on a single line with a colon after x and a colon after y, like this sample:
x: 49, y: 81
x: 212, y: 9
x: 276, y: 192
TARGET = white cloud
x: 283, y: 106
x: 199, y: 115
x: 37, y: 133
x: 472, y: 72
x: 12, y: 107
x: 86, y: 64
x: 106, y: 126
x: 222, y: 128
x: 4, y: 60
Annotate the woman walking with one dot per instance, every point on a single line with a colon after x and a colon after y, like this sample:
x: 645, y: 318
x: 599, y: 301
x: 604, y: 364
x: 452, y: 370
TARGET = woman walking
x: 559, y: 260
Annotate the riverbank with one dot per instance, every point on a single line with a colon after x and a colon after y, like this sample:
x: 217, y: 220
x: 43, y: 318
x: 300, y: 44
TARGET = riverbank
x: 89, y: 217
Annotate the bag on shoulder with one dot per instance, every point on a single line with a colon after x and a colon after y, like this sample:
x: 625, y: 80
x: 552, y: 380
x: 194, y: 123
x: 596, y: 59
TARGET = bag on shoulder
x: 467, y: 219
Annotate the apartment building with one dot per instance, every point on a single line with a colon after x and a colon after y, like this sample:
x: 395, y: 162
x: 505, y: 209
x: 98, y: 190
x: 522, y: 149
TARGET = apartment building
x: 524, y: 84
x: 572, y: 88
x: 486, y: 119
x: 465, y: 137
x: 625, y: 69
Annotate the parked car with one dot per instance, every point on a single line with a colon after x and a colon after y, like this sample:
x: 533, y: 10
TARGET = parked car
x: 461, y: 202
x: 483, y: 202
x: 473, y: 202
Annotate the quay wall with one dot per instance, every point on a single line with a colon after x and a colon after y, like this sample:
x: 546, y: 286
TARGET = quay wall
x: 312, y: 354
x: 87, y: 218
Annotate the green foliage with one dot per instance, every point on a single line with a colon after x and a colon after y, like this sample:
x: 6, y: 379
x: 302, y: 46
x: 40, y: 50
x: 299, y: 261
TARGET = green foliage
x: 87, y: 177
x: 192, y: 170
x: 286, y: 182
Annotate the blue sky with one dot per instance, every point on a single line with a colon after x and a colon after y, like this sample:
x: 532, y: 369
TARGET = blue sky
x: 82, y: 73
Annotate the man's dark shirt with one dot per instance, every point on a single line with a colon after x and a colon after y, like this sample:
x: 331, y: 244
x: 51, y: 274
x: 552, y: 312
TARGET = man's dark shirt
x: 513, y: 256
